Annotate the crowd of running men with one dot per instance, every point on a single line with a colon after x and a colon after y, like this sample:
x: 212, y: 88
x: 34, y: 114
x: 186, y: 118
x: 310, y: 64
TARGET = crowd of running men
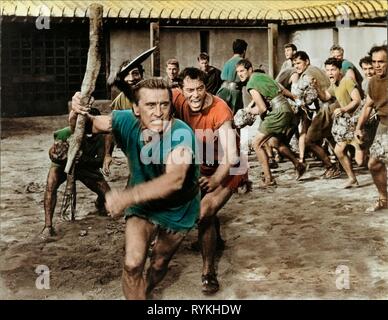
x: 181, y: 136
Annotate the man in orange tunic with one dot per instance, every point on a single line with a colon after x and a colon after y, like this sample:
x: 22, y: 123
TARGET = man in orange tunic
x: 222, y: 171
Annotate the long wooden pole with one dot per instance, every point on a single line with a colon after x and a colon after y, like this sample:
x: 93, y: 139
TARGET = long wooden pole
x: 87, y: 88
x: 89, y: 82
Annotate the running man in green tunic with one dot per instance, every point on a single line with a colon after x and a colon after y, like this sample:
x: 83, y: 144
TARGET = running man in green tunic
x: 162, y: 196
x: 277, y: 117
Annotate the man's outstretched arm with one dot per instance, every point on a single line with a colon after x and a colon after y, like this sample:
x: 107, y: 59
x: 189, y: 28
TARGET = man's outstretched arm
x: 178, y: 164
x: 100, y: 124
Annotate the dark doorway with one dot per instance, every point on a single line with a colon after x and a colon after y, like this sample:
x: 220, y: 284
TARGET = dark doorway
x: 41, y: 69
x: 204, y: 38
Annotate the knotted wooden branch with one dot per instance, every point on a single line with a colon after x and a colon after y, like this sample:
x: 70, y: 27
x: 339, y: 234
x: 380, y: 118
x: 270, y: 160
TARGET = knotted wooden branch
x: 89, y: 82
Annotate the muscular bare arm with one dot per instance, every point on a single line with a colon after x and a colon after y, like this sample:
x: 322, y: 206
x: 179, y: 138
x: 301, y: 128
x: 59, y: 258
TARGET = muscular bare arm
x: 288, y: 94
x: 260, y: 107
x: 178, y: 164
x: 227, y: 140
x: 100, y: 124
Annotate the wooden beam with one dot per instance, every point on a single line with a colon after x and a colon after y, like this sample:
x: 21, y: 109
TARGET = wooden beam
x: 272, y: 48
x: 154, y: 41
x: 107, y: 32
x: 335, y: 36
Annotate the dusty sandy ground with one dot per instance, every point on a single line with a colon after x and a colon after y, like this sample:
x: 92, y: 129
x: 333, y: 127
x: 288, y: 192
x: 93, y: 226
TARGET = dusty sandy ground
x: 283, y: 243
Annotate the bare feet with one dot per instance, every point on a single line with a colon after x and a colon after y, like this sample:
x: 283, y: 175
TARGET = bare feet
x: 380, y: 204
x: 266, y: 183
x: 300, y: 168
x: 47, y: 233
x: 272, y: 163
x: 351, y: 183
x: 246, y: 187
x: 210, y: 283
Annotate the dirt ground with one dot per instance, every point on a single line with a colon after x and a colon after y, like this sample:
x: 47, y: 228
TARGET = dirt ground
x: 283, y: 243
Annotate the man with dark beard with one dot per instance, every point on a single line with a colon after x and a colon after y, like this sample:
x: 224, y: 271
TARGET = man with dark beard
x: 129, y: 74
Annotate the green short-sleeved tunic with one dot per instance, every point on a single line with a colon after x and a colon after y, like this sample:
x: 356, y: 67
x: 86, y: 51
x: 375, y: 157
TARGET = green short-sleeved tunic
x: 281, y: 118
x: 147, y: 162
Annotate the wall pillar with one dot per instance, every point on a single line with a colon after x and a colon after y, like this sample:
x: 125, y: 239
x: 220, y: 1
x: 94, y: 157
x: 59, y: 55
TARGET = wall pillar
x: 272, y: 48
x: 154, y: 41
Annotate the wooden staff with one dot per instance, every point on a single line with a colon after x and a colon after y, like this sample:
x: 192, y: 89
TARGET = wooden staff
x: 89, y: 82
x: 87, y: 88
